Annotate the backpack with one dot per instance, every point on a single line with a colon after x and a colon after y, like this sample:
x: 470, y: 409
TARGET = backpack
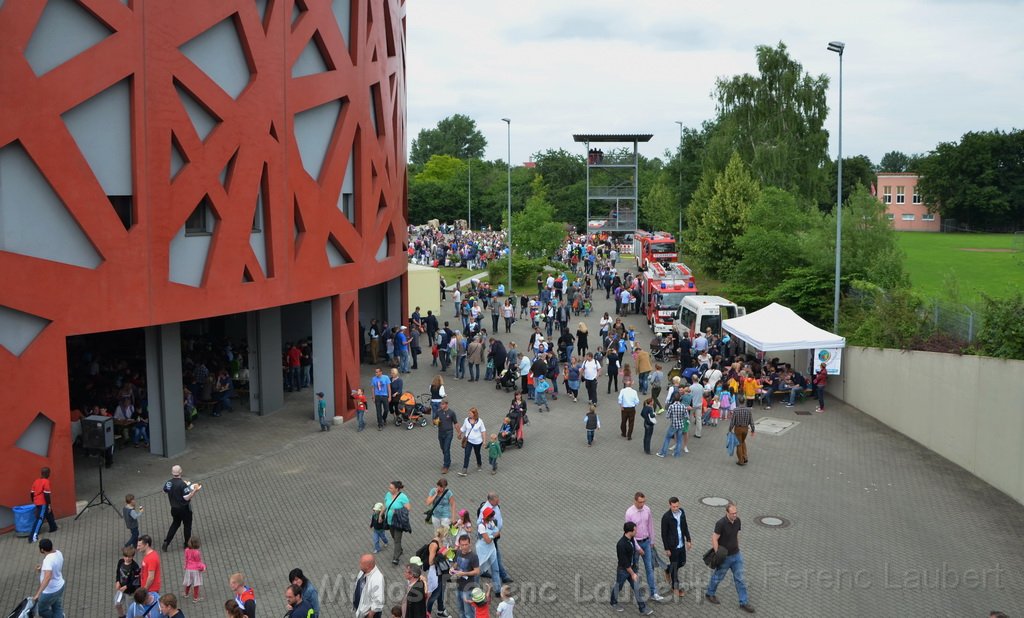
x: 423, y: 554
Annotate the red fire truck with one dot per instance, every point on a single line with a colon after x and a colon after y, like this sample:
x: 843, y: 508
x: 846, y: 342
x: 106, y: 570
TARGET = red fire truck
x: 653, y: 247
x: 664, y: 287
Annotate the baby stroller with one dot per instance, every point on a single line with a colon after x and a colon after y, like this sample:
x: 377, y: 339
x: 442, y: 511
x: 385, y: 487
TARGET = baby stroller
x: 661, y: 349
x: 411, y: 412
x: 513, y: 433
x: 24, y: 609
x: 508, y: 379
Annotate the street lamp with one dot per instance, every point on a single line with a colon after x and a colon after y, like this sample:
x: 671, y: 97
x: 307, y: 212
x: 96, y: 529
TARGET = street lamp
x: 469, y: 190
x: 508, y: 122
x: 838, y: 47
x: 679, y: 239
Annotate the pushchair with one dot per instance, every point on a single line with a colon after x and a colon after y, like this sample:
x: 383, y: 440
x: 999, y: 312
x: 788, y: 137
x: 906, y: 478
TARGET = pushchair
x: 24, y: 609
x: 508, y: 379
x: 661, y: 349
x: 411, y: 412
x: 513, y: 434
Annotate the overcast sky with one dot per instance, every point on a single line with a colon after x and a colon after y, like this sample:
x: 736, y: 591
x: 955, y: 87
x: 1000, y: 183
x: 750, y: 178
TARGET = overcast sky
x: 915, y: 72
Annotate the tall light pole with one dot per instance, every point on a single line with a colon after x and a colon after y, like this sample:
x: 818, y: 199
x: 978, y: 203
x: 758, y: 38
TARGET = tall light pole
x: 508, y: 122
x: 679, y: 239
x: 469, y: 188
x: 838, y: 47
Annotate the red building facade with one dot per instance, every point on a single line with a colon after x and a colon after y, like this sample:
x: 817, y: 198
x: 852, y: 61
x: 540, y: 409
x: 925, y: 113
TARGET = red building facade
x: 904, y: 205
x: 170, y: 161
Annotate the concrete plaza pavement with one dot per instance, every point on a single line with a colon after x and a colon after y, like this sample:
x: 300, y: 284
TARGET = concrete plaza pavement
x: 874, y: 524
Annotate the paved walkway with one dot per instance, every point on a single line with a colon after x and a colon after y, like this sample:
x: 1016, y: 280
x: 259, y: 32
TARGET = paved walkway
x: 877, y: 526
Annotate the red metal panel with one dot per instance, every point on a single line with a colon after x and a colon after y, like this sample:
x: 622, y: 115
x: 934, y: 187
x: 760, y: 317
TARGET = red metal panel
x: 131, y: 287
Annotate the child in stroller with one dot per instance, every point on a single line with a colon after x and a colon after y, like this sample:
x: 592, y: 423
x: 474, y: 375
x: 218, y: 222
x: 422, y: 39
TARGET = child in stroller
x: 511, y: 431
x: 411, y: 412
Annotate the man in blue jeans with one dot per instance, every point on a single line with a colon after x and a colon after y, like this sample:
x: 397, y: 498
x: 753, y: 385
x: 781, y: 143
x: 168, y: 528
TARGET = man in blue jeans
x: 625, y: 552
x: 640, y: 515
x: 446, y: 422
x: 677, y: 425
x: 727, y: 535
x: 381, y: 396
x: 49, y: 598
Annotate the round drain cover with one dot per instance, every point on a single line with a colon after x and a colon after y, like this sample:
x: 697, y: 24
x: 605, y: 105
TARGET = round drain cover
x: 770, y: 521
x: 714, y: 501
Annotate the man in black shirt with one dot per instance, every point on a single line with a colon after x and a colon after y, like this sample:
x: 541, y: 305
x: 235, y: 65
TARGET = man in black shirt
x: 446, y: 422
x: 179, y: 494
x: 727, y: 535
x: 675, y: 534
x: 625, y: 570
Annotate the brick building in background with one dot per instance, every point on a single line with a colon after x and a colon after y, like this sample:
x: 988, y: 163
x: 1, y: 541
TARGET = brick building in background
x: 903, y: 204
x: 173, y: 162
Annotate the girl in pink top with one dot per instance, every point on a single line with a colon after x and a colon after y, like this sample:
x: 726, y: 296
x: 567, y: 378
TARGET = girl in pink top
x: 194, y: 567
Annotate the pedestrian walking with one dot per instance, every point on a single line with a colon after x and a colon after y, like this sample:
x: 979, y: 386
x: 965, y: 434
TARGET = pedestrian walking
x: 381, y: 396
x: 441, y: 501
x: 640, y: 515
x: 675, y: 538
x: 628, y: 402
x: 149, y: 573
x: 446, y: 423
x: 321, y: 412
x: 131, y: 515
x: 194, y: 568
x: 360, y: 403
x: 493, y: 452
x: 657, y: 381
x: 437, y: 566
x: 49, y: 597
x: 126, y: 581
x: 649, y: 420
x: 625, y: 572
x: 245, y: 596
x: 41, y: 496
x: 396, y: 514
x: 179, y: 494
x: 378, y: 528
x: 486, y: 550
x: 820, y: 381
x: 592, y: 422
x: 591, y: 371
x: 472, y: 434
x: 307, y: 589
x: 541, y: 387
x: 368, y: 596
x: 741, y: 421
x: 678, y: 423
x: 727, y: 535
x: 466, y: 571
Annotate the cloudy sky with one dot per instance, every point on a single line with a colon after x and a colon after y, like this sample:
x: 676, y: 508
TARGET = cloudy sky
x: 915, y: 72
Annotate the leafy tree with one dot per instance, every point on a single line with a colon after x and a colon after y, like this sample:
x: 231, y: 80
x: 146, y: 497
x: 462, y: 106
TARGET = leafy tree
x: 857, y: 172
x: 979, y: 181
x: 659, y: 209
x: 884, y: 319
x: 456, y: 136
x: 443, y: 169
x: 773, y: 240
x: 685, y: 167
x: 535, y: 233
x: 1002, y: 331
x: 718, y: 214
x: 775, y: 121
x: 565, y: 181
x: 895, y: 161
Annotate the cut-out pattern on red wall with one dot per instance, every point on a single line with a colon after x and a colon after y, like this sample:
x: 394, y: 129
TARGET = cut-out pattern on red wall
x: 251, y: 108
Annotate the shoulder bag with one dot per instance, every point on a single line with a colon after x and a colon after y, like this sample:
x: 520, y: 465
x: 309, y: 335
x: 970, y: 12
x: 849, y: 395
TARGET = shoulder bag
x: 429, y: 513
x: 383, y: 517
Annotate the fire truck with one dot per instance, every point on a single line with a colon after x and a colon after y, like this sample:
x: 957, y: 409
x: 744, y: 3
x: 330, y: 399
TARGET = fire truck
x: 665, y: 286
x: 653, y: 247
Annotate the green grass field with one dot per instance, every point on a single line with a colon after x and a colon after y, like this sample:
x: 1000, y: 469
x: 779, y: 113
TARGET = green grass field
x: 987, y: 263
x: 454, y: 274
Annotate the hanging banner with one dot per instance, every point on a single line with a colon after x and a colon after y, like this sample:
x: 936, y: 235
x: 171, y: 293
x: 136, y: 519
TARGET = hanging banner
x: 832, y: 357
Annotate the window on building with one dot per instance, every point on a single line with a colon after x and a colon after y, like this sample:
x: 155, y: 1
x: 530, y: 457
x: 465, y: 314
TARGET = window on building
x: 890, y: 216
x: 927, y: 217
x: 887, y: 194
x: 907, y: 216
x: 917, y: 196
x: 901, y: 197
x: 199, y: 221
x: 125, y: 209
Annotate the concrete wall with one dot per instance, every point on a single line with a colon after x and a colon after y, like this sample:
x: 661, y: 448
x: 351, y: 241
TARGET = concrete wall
x: 424, y: 289
x: 966, y: 408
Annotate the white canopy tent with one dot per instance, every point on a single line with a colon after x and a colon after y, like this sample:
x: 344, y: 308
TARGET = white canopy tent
x: 776, y: 328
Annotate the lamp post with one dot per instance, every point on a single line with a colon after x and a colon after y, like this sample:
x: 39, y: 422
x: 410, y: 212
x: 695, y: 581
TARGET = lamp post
x: 508, y: 123
x: 838, y: 47
x: 469, y: 189
x: 679, y: 239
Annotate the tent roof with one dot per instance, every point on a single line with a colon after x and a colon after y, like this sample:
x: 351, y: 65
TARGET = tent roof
x: 779, y: 328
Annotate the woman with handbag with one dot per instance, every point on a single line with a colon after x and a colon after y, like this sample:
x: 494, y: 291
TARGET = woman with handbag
x: 472, y: 434
x: 396, y: 515
x: 441, y: 501
x: 436, y: 570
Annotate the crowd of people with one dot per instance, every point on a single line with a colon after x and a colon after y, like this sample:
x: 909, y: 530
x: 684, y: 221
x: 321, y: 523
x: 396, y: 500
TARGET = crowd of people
x: 450, y: 245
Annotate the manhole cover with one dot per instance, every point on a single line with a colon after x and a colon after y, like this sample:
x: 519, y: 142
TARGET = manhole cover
x: 771, y: 521
x: 774, y: 426
x: 802, y: 412
x: 714, y: 501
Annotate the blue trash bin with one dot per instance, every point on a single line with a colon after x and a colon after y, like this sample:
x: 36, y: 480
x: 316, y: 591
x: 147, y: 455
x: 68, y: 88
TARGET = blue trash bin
x: 24, y: 519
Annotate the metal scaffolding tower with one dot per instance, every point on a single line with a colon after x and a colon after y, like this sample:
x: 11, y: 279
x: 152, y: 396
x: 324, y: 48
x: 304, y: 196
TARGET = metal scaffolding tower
x: 616, y: 183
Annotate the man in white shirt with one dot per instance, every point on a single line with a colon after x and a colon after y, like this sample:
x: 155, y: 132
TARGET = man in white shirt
x: 49, y: 598
x: 625, y: 299
x: 712, y: 377
x: 628, y: 402
x: 697, y: 409
x: 368, y: 597
x: 591, y: 370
